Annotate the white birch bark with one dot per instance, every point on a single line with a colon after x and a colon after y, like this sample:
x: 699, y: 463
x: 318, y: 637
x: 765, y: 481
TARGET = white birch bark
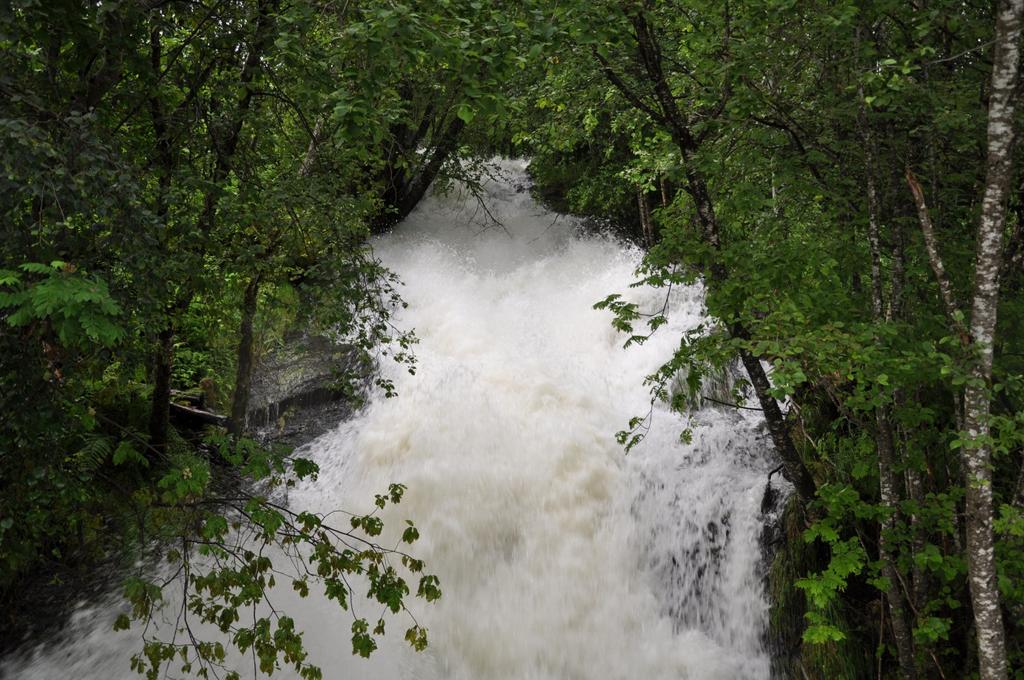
x: 977, y: 451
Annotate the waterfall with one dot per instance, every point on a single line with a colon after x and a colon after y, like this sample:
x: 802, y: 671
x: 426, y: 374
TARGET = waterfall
x: 560, y: 556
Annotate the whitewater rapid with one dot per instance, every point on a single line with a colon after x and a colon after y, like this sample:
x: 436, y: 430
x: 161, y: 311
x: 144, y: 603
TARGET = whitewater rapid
x: 560, y: 557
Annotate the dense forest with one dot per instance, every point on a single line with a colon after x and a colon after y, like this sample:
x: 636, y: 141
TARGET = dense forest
x: 184, y: 182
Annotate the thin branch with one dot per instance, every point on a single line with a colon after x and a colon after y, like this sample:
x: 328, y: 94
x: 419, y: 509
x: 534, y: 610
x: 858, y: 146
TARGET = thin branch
x: 935, y: 258
x: 632, y: 97
x: 726, y: 403
x: 961, y: 54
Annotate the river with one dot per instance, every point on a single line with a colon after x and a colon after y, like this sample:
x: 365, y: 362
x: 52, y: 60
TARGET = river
x: 560, y: 556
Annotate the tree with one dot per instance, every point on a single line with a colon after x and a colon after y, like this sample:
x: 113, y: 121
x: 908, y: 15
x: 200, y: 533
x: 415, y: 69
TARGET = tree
x: 654, y: 97
x: 984, y: 309
x: 176, y: 173
x: 789, y: 130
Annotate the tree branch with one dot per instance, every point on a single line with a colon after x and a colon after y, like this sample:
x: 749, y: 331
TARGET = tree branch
x: 935, y: 258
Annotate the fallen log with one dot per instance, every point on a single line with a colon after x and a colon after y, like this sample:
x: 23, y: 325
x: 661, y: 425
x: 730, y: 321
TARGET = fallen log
x: 194, y: 399
x: 193, y: 417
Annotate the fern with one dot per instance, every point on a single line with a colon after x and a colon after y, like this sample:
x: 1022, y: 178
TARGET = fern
x: 79, y: 307
x: 94, y: 453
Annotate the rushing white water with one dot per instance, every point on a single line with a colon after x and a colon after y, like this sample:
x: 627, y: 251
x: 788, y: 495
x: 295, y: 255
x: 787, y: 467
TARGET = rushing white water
x: 560, y: 557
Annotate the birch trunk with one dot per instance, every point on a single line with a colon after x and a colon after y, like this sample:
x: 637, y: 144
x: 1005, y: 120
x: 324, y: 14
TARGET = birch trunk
x: 159, y: 414
x: 976, y: 450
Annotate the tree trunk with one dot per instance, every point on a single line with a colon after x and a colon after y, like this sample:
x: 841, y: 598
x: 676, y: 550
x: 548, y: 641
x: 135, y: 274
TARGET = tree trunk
x: 887, y: 480
x: 793, y: 467
x: 889, y: 497
x: 314, y: 144
x: 403, y: 198
x: 646, y: 223
x: 224, y: 149
x: 976, y: 451
x: 666, y: 112
x: 934, y: 257
x: 915, y: 491
x: 243, y: 376
x: 898, y: 276
x: 161, y: 400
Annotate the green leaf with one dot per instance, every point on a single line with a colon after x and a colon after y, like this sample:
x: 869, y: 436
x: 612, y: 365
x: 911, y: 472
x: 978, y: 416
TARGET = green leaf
x: 466, y: 113
x: 122, y: 622
x: 126, y: 453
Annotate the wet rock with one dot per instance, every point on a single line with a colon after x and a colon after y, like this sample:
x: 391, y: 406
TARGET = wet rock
x: 303, y: 389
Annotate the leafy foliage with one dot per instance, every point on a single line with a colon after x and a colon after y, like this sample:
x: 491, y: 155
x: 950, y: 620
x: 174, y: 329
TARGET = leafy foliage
x: 202, y: 179
x: 78, y: 309
x: 183, y: 185
x: 777, y: 117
